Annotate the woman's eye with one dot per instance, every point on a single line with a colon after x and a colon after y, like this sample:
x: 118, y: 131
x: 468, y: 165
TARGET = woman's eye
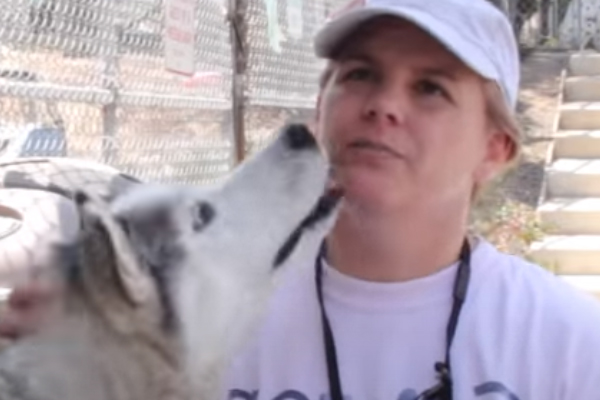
x: 431, y: 88
x: 359, y: 74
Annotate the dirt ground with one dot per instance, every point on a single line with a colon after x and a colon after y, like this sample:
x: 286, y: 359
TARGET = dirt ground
x: 506, y: 214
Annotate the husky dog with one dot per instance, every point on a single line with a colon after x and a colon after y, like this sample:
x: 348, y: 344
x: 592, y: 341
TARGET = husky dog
x: 168, y: 281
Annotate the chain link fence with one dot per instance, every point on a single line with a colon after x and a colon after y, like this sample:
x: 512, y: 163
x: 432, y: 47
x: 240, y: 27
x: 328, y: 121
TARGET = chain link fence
x: 90, y: 74
x: 86, y: 79
x: 554, y: 24
x: 282, y: 72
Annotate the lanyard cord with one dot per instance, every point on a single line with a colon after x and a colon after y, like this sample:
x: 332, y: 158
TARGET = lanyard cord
x: 442, y: 390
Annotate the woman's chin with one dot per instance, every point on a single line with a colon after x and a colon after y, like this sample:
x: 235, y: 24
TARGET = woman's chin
x: 370, y: 190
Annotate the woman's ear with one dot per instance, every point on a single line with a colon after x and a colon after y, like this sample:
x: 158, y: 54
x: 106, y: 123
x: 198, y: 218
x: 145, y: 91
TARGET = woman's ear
x: 500, y: 150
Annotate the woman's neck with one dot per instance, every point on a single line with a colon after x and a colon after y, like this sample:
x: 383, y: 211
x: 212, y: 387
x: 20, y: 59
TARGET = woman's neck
x: 401, y: 247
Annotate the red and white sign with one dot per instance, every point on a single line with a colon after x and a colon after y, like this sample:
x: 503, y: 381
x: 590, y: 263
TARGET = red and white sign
x: 180, y: 36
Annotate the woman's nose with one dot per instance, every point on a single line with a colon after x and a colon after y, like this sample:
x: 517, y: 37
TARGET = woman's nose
x: 386, y: 105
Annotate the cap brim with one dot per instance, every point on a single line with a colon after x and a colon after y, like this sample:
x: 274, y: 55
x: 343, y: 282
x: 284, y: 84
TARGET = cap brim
x: 468, y: 51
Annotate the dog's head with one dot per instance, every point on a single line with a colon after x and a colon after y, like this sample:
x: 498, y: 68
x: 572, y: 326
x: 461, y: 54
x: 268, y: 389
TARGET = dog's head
x: 217, y: 249
x: 252, y: 221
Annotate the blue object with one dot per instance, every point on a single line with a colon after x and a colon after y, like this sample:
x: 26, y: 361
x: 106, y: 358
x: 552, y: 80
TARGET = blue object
x: 33, y: 142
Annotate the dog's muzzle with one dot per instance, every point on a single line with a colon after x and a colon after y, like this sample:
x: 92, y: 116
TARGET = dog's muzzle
x: 323, y: 209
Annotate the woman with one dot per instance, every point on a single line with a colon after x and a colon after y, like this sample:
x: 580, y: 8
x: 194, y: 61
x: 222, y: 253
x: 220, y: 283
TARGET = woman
x: 416, y: 115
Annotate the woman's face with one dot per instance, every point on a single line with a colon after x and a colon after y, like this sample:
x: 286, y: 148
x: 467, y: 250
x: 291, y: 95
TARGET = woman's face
x: 403, y: 120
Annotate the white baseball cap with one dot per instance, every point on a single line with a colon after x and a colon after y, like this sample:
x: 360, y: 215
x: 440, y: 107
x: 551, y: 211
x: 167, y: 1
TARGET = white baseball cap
x: 476, y: 31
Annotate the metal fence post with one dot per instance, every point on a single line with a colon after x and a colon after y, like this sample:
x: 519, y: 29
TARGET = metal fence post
x: 109, y: 111
x: 237, y: 10
x: 544, y: 21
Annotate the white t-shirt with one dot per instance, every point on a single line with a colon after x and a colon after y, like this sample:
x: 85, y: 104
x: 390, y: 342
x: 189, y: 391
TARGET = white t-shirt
x: 523, y: 334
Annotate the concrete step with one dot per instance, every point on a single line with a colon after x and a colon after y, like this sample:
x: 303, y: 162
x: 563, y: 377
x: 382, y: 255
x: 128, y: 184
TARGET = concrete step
x: 573, y: 177
x: 577, y: 144
x: 582, y: 88
x: 569, y: 254
x: 579, y: 115
x: 585, y: 283
x: 584, y: 64
x: 571, y: 216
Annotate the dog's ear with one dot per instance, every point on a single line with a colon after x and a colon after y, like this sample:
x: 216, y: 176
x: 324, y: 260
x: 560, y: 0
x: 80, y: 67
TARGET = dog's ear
x: 112, y: 262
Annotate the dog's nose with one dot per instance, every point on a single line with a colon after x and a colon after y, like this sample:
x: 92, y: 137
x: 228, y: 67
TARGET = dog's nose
x: 298, y: 137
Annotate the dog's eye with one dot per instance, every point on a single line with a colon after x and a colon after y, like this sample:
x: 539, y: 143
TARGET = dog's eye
x: 203, y: 215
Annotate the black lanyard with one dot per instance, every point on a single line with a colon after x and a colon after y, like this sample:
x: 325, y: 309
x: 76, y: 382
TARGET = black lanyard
x: 443, y: 389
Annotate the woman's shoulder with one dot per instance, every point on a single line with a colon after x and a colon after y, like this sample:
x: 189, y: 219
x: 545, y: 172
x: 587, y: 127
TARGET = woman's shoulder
x: 516, y: 282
